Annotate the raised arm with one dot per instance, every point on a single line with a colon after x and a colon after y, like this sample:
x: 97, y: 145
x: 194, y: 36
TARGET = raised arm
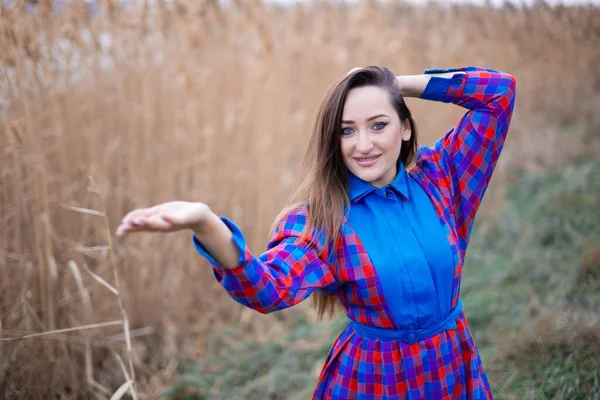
x: 414, y: 85
x: 462, y: 162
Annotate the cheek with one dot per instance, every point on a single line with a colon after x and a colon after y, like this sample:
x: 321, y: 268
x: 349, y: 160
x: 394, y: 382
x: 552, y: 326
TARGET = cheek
x: 346, y: 147
x: 393, y: 142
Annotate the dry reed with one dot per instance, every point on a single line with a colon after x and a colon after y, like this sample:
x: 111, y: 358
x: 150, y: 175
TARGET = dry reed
x: 195, y: 101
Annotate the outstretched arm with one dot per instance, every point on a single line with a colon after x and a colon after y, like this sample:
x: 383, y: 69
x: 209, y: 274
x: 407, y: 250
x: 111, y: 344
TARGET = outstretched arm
x: 291, y: 269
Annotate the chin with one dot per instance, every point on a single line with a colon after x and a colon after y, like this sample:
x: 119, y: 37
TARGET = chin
x: 368, y: 176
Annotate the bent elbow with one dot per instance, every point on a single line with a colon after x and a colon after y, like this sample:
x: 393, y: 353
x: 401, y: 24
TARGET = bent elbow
x: 270, y: 306
x: 503, y: 103
x: 509, y: 86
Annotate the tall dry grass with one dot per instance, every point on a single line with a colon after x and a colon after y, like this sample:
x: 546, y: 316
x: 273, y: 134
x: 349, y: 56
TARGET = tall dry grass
x: 193, y: 101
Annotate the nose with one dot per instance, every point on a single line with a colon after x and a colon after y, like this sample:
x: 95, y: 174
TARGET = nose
x: 364, y: 143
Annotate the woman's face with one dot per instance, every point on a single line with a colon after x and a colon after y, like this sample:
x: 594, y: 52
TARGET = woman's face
x: 372, y: 135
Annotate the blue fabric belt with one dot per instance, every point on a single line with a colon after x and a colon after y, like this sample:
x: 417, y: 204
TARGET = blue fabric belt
x: 406, y: 335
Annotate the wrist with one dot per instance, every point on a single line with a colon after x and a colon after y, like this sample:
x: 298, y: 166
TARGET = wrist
x: 204, y: 221
x: 402, y: 83
x: 412, y: 85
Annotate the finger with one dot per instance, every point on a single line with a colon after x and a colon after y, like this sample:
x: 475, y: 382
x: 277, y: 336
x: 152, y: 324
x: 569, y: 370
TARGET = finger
x: 130, y: 226
x: 158, y: 223
x: 124, y: 228
x: 130, y: 216
x: 152, y: 224
x: 135, y: 216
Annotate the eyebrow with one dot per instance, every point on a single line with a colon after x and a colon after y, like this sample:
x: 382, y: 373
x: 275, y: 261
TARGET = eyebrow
x: 369, y: 119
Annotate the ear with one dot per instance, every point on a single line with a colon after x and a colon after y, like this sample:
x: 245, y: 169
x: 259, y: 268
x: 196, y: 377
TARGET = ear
x: 406, y: 132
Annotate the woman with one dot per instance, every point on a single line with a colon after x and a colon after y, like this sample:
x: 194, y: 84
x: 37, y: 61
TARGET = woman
x: 386, y: 242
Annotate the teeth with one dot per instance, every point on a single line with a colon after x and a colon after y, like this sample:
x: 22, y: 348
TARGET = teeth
x: 367, y: 159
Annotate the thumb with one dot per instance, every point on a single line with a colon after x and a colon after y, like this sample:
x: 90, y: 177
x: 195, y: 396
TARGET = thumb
x: 157, y: 221
x: 174, y: 220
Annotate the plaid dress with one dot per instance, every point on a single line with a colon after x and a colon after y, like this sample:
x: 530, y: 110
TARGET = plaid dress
x: 374, y: 357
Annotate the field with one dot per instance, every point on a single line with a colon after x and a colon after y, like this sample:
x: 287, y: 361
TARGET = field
x: 196, y: 101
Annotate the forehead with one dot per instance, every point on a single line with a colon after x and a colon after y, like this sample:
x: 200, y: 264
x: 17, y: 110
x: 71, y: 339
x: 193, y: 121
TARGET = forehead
x: 364, y: 102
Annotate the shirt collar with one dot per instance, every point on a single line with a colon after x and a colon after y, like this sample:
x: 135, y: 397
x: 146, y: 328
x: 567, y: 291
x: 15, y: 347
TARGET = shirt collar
x: 357, y: 188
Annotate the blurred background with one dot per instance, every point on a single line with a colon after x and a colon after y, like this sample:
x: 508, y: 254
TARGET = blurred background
x: 108, y: 106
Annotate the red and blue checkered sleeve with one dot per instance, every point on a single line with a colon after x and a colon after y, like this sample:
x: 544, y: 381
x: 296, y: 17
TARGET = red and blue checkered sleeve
x: 287, y: 273
x: 461, y: 163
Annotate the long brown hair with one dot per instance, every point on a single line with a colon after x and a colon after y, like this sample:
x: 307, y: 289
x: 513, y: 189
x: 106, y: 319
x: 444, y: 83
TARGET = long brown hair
x: 323, y: 183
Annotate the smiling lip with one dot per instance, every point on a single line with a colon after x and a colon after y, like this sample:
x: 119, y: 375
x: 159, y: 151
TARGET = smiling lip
x: 367, y: 161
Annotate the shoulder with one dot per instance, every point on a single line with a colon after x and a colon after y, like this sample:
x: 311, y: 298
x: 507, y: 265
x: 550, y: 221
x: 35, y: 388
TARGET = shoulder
x: 292, y: 222
x: 292, y: 225
x: 430, y: 173
x: 428, y: 161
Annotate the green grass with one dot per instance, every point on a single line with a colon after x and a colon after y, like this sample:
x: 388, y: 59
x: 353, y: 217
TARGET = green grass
x: 531, y: 291
x: 532, y: 287
x: 242, y: 369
